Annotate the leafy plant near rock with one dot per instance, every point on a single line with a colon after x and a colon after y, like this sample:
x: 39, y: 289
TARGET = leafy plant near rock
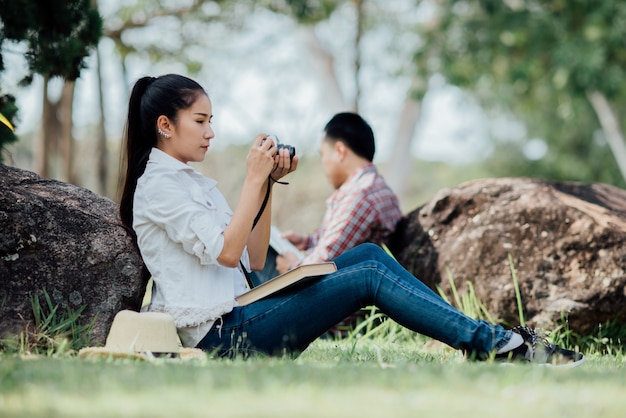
x: 55, y: 332
x: 468, y: 302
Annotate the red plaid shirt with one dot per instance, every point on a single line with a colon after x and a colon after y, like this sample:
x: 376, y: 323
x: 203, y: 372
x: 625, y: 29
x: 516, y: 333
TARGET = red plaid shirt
x: 363, y: 209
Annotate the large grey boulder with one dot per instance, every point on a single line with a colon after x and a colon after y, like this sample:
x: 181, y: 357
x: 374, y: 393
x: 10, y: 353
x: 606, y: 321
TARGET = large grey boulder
x: 68, y: 242
x: 567, y: 242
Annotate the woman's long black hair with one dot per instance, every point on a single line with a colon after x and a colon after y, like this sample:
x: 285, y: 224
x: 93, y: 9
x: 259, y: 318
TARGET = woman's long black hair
x: 150, y: 98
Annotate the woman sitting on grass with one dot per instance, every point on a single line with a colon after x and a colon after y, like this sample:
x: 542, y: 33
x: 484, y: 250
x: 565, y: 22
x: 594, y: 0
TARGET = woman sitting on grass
x: 196, y: 247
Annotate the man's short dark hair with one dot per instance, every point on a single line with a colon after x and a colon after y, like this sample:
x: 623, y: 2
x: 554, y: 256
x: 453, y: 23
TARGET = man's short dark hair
x: 354, y: 131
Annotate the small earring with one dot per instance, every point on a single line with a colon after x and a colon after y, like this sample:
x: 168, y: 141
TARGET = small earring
x: 163, y: 134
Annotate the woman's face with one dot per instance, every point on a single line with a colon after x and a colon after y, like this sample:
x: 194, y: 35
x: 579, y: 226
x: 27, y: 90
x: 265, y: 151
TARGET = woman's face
x: 192, y: 133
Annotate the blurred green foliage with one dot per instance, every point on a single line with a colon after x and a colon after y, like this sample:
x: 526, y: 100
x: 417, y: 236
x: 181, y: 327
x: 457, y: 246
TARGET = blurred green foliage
x: 59, y: 34
x: 538, y: 60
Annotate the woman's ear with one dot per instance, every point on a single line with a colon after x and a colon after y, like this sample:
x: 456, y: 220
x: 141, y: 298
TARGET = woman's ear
x: 164, y: 127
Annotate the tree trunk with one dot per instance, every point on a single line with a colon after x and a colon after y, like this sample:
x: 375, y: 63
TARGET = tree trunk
x: 360, y: 25
x: 398, y: 173
x: 325, y: 65
x: 65, y: 109
x: 54, y: 153
x: 48, y: 136
x: 102, y: 157
x: 611, y: 128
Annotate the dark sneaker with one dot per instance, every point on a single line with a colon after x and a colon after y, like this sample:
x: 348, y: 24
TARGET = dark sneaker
x: 537, y: 349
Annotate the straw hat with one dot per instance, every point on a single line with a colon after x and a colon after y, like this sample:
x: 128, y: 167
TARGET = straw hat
x: 140, y: 335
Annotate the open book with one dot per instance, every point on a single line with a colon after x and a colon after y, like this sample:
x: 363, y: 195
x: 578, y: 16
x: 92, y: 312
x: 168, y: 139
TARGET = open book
x: 300, y: 274
x: 282, y: 245
x: 278, y: 245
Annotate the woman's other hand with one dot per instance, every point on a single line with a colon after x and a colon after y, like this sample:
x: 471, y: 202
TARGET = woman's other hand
x: 284, y: 164
x: 261, y: 158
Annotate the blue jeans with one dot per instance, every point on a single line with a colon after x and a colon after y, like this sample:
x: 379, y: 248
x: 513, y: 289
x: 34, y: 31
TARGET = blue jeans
x: 289, y: 321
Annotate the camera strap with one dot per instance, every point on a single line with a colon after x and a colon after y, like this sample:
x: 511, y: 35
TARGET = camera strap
x: 246, y: 274
x: 262, y: 208
x: 256, y: 220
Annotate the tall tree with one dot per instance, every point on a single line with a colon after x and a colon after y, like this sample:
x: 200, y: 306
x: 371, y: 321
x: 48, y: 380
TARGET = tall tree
x: 102, y: 154
x: 59, y: 35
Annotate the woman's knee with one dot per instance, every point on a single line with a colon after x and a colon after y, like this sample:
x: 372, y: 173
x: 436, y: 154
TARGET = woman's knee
x: 373, y: 251
x: 362, y: 252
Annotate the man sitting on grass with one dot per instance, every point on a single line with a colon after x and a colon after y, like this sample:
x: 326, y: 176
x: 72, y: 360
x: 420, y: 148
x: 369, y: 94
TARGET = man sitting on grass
x: 363, y: 207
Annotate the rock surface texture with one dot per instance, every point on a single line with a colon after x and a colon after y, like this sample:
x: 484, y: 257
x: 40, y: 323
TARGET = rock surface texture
x: 69, y: 242
x: 566, y: 242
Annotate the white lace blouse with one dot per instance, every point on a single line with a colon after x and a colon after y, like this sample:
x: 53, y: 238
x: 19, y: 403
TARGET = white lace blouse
x: 179, y: 217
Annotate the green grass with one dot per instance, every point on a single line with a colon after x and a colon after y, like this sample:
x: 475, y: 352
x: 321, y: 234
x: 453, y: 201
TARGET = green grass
x: 381, y: 371
x: 330, y: 379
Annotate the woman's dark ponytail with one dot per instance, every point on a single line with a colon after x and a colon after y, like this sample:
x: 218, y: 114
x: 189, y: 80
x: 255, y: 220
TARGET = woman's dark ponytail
x: 150, y: 98
x: 137, y: 148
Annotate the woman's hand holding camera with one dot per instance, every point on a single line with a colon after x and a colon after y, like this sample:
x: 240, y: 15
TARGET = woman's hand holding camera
x: 286, y: 163
x: 267, y: 158
x: 261, y: 158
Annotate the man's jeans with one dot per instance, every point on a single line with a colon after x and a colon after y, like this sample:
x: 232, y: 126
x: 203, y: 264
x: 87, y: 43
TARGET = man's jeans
x: 289, y: 321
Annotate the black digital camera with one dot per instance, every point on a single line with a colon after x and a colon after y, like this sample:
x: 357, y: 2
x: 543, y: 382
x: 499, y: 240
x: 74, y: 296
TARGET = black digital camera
x: 279, y: 146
